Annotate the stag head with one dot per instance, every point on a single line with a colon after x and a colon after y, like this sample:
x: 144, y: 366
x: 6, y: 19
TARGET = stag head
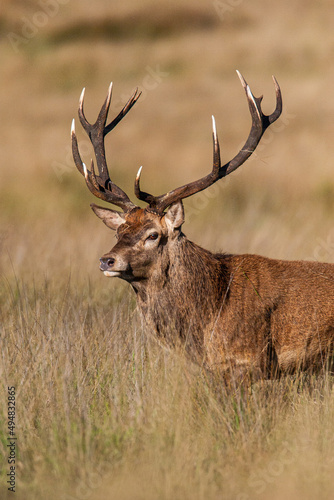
x: 146, y: 236
x: 142, y: 236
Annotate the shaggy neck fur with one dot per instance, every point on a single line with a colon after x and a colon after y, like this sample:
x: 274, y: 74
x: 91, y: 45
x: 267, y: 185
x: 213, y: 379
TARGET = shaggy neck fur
x: 183, y: 294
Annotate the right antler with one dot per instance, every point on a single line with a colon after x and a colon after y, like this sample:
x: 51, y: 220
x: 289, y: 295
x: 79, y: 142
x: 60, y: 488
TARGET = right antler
x: 101, y: 185
x: 260, y: 122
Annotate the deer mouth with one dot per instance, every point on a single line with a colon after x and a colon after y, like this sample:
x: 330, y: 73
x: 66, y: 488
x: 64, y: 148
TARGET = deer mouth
x: 112, y: 267
x: 112, y: 274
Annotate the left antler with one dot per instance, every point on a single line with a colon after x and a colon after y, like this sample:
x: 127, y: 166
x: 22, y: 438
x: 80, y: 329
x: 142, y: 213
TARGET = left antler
x: 260, y: 122
x: 101, y: 185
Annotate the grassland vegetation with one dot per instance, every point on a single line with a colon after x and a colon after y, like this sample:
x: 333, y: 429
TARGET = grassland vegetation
x: 103, y: 410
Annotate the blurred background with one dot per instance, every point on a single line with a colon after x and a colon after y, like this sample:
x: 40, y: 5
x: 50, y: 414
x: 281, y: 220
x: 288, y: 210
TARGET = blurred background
x: 87, y: 375
x: 182, y: 55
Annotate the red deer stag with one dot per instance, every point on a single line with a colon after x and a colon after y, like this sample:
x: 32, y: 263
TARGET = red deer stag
x: 245, y: 315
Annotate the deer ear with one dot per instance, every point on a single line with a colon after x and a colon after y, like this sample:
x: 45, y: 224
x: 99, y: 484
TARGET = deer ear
x: 175, y: 215
x: 111, y: 218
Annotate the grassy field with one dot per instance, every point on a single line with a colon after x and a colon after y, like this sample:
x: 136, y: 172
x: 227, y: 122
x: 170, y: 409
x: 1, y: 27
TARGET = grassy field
x: 104, y: 411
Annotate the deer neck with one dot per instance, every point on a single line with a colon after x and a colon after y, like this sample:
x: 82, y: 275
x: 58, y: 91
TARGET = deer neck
x: 183, y: 292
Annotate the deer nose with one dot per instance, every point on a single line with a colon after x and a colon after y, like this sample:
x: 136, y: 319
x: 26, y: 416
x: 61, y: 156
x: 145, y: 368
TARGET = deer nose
x: 106, y: 263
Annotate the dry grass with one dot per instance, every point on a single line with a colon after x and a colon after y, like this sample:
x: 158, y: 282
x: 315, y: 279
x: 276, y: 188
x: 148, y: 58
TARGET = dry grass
x: 103, y: 411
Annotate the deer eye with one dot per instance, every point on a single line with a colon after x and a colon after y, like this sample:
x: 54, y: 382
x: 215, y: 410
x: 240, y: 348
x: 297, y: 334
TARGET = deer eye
x: 152, y: 237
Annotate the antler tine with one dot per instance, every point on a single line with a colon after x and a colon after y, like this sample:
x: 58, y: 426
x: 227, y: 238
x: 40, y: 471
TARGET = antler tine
x: 75, y: 150
x: 260, y: 122
x: 133, y: 99
x: 101, y: 185
x: 141, y: 195
x: 216, y: 149
x: 84, y: 122
x: 279, y: 103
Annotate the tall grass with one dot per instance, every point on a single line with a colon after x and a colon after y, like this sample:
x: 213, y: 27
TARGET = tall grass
x: 103, y: 411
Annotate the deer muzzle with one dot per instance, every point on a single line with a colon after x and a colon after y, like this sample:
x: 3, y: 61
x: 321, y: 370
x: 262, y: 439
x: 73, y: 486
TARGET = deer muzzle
x: 112, y: 266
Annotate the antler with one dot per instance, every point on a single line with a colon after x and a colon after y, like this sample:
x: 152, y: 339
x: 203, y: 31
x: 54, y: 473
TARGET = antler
x: 101, y: 185
x: 260, y: 122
